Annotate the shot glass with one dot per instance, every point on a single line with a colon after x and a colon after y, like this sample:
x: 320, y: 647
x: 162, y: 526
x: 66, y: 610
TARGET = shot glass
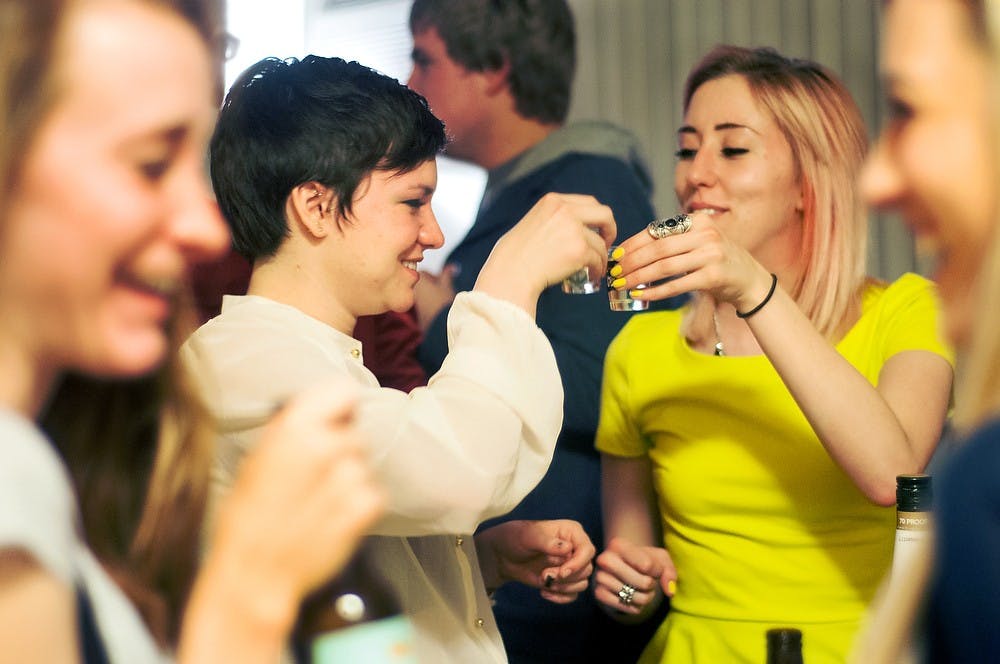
x: 581, y: 282
x: 620, y: 299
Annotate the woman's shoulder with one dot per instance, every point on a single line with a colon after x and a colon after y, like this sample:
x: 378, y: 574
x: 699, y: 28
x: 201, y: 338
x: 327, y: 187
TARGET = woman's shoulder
x: 28, y: 458
x: 642, y: 332
x: 910, y: 299
x: 902, y: 315
x: 907, y: 287
x: 37, y: 508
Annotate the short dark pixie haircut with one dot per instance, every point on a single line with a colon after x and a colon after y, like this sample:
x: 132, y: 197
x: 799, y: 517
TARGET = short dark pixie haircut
x: 537, y: 38
x: 288, y: 122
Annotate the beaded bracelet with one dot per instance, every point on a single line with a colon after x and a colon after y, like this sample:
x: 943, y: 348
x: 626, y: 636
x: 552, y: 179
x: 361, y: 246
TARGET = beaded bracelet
x: 767, y: 298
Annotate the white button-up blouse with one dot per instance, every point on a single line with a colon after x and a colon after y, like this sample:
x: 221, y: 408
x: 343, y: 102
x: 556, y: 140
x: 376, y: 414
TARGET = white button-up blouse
x: 467, y: 447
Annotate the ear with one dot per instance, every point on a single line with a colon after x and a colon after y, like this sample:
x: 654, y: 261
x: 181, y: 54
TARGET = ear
x: 497, y: 80
x: 311, y: 204
x: 805, y: 194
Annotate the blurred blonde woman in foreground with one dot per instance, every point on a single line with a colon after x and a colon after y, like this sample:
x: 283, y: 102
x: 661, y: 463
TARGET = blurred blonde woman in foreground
x: 936, y: 163
x: 106, y: 109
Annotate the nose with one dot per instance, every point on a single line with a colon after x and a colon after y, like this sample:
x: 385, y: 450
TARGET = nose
x: 430, y: 235
x: 694, y: 173
x: 700, y: 169
x: 413, y: 81
x: 881, y: 182
x: 196, y: 225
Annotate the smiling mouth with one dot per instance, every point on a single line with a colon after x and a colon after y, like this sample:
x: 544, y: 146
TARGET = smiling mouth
x: 162, y: 286
x: 711, y: 211
x: 411, y: 264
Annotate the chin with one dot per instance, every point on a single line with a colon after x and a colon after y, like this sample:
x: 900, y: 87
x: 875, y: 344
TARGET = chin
x: 958, y: 325
x: 403, y: 304
x: 131, y: 356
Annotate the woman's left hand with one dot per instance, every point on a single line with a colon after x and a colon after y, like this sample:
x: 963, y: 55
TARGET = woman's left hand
x: 554, y: 556
x: 701, y: 259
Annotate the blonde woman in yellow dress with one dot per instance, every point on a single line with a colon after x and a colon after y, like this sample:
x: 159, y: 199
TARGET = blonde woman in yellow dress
x: 751, y: 441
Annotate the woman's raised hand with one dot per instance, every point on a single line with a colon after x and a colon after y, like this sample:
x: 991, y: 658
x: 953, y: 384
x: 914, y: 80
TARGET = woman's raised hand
x: 302, y: 500
x: 556, y: 238
x: 702, y: 259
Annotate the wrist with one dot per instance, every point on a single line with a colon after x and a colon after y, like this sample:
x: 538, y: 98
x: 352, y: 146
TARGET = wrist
x: 244, y: 601
x: 758, y: 297
x: 488, y: 565
x: 513, y: 286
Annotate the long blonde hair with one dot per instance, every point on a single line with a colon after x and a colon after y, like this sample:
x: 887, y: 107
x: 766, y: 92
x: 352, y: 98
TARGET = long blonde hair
x: 977, y: 395
x: 140, y: 455
x: 827, y: 135
x: 888, y: 636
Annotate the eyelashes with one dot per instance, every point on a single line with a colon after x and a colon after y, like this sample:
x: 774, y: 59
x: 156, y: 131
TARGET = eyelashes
x: 729, y: 153
x: 154, y: 170
x: 897, y: 109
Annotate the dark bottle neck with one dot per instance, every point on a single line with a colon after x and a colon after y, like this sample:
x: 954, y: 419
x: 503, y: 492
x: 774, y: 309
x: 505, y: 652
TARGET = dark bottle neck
x: 784, y: 646
x: 914, y: 493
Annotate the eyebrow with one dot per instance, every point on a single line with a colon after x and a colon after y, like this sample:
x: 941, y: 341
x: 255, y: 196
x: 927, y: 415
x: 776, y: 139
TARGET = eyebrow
x: 170, y: 137
x: 688, y: 129
x: 423, y: 189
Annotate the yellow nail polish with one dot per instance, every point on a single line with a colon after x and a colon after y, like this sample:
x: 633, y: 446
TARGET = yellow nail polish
x: 616, y: 271
x: 617, y: 254
x: 635, y: 294
x: 618, y: 283
x: 671, y: 587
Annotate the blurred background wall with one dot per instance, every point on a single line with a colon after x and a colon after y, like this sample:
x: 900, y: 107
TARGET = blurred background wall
x: 633, y: 56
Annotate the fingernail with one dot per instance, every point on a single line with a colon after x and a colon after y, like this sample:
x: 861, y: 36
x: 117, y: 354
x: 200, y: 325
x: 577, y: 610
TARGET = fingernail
x: 671, y: 587
x: 618, y: 283
x: 617, y: 254
x: 616, y: 271
x: 635, y: 294
x: 548, y: 580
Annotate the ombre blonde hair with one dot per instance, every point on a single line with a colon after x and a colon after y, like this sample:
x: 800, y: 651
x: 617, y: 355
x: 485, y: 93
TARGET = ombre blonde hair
x: 828, y: 139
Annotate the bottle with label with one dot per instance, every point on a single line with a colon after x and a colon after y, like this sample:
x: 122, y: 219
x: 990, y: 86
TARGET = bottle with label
x: 784, y: 646
x: 913, y: 520
x: 354, y: 618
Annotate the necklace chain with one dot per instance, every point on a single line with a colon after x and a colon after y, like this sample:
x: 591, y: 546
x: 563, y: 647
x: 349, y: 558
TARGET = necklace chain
x: 720, y: 350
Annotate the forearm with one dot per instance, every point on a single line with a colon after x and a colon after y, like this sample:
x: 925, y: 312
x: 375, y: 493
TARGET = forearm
x: 871, y: 439
x: 230, y: 618
x: 630, y: 520
x: 479, y: 437
x: 628, y: 501
x: 498, y: 280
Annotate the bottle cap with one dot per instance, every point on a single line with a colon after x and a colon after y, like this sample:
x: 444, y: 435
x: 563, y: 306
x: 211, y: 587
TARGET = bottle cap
x: 914, y: 493
x: 784, y: 638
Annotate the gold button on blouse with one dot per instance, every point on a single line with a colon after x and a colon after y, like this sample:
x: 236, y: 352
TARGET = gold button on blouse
x: 480, y: 622
x: 355, y: 353
x: 458, y: 541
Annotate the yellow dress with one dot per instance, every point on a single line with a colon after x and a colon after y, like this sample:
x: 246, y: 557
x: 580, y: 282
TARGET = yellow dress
x: 764, y: 528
